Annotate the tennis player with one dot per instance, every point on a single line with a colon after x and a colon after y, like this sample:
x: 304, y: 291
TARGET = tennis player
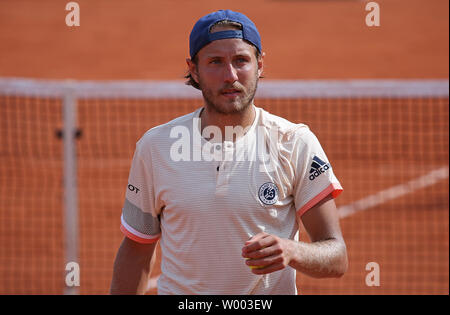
x: 226, y: 206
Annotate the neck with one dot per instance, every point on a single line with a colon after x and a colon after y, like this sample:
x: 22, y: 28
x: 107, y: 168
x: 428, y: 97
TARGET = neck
x: 244, y: 119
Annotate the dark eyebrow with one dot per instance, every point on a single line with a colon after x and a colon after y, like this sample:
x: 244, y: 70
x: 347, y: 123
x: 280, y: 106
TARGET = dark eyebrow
x: 243, y: 55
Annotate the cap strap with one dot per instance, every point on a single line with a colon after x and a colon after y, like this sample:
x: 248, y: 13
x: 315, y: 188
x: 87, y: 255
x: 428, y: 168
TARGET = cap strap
x: 226, y: 34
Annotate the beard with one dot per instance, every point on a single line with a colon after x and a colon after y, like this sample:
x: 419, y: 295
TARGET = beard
x: 213, y: 99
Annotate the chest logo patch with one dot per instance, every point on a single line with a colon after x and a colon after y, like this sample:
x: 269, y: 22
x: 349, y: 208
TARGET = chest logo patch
x: 268, y: 193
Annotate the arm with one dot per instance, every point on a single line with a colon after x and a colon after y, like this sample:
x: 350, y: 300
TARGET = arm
x: 132, y: 267
x: 325, y: 256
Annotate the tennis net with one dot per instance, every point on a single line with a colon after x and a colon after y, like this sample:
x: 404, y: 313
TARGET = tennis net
x: 386, y: 139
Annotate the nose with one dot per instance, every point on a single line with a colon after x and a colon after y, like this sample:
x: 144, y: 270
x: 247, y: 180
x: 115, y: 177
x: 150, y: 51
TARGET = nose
x: 230, y: 73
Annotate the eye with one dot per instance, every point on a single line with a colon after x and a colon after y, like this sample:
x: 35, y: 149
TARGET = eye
x: 242, y: 60
x: 214, y: 61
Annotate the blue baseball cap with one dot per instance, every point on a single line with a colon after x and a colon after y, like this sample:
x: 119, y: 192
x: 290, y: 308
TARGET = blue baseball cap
x: 201, y: 35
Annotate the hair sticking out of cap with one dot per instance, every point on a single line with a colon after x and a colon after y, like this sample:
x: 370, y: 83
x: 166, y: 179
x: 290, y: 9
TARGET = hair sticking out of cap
x: 225, y: 25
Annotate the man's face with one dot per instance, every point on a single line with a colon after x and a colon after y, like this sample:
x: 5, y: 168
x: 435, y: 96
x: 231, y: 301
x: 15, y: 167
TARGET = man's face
x: 227, y: 72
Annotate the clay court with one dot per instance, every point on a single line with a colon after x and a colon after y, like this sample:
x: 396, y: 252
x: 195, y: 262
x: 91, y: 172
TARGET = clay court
x: 390, y: 149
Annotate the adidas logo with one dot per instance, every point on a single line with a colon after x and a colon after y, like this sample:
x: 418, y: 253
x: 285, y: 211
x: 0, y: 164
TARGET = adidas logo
x: 318, y: 167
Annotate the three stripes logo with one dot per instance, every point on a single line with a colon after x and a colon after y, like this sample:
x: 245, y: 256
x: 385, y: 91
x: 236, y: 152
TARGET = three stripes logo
x: 318, y: 167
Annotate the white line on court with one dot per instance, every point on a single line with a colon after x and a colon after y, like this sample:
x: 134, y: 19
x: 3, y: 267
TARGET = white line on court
x: 382, y: 196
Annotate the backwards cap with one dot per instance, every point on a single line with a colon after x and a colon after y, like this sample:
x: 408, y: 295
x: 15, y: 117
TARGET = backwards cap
x: 201, y: 33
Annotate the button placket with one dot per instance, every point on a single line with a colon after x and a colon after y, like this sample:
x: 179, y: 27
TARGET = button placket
x: 223, y: 174
x: 228, y: 154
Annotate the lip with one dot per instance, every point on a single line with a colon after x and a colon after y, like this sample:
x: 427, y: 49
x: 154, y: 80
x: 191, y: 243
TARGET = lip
x: 231, y: 93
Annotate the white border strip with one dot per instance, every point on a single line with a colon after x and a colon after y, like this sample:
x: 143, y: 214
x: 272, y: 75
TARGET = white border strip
x: 386, y: 195
x: 266, y: 88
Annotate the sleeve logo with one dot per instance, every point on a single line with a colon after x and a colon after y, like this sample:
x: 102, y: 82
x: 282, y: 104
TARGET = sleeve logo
x: 268, y: 193
x: 318, y: 167
x: 133, y: 188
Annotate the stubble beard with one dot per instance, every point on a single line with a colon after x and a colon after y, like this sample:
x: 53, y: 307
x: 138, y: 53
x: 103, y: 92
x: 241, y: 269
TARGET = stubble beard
x: 235, y: 106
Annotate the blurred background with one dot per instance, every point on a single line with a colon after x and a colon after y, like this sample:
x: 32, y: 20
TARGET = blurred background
x: 389, y: 151
x: 303, y: 39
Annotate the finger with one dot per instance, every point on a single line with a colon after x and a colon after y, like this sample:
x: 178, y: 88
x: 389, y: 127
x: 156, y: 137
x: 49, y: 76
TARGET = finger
x: 268, y: 269
x: 257, y: 244
x: 262, y: 252
x: 252, y: 244
x: 265, y: 260
x: 256, y: 237
x: 260, y: 239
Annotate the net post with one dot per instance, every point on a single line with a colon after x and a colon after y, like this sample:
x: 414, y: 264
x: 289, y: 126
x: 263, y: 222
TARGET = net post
x: 70, y: 187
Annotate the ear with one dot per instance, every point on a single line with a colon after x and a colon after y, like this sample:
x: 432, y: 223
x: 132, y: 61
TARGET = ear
x: 192, y: 69
x: 261, y: 64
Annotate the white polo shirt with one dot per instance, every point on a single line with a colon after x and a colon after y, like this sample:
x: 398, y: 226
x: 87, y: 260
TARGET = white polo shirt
x: 204, y: 200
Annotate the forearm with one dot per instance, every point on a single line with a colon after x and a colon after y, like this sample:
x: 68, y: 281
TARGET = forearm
x: 321, y: 259
x: 131, y: 270
x: 324, y: 257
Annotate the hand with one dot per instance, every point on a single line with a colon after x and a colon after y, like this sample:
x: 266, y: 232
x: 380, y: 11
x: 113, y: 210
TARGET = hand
x: 267, y: 250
